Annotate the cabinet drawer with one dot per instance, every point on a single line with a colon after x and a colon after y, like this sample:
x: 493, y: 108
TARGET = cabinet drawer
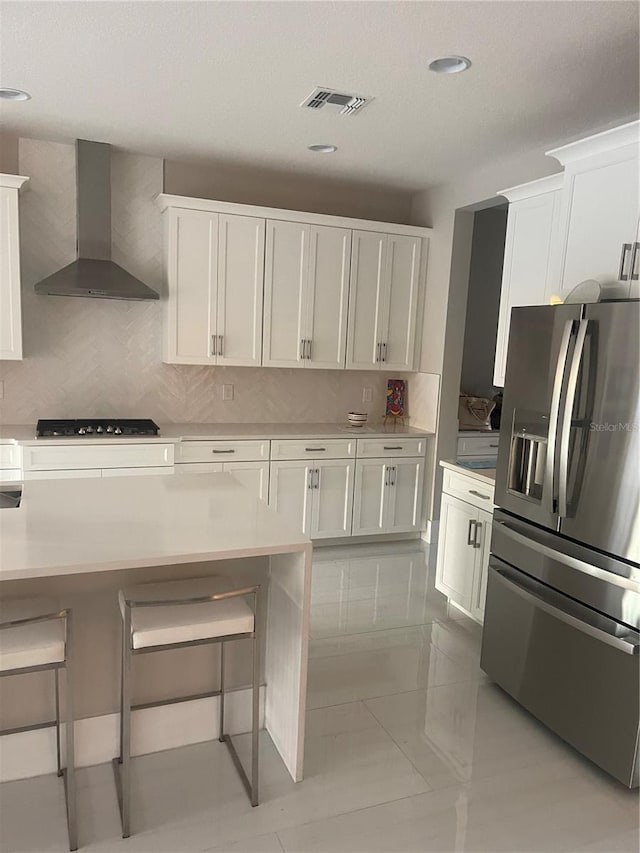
x: 222, y: 451
x: 478, y: 445
x: 50, y: 458
x: 382, y: 447
x: 468, y: 489
x: 10, y: 456
x: 333, y: 448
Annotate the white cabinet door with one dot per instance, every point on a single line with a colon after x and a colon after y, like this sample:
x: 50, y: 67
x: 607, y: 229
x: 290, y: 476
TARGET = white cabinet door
x: 456, y: 553
x: 370, y: 496
x: 327, y: 296
x: 404, y: 496
x: 10, y: 305
x: 366, y: 299
x: 529, y: 270
x: 482, y: 539
x: 189, y: 312
x: 285, y: 285
x: 398, y: 328
x: 332, y: 499
x: 291, y: 493
x: 253, y: 475
x: 240, y: 289
x: 599, y: 216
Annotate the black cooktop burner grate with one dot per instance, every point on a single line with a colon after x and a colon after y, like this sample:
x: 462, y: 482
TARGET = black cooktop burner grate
x: 95, y: 427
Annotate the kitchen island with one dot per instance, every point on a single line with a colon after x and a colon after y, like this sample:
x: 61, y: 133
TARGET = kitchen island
x: 80, y: 540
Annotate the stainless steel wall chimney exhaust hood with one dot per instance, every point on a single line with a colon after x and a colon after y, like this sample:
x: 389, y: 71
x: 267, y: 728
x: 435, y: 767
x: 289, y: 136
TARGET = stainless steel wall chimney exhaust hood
x: 94, y: 273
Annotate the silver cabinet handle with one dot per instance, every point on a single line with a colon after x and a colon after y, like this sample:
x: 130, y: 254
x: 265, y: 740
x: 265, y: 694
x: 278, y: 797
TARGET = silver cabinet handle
x: 508, y: 579
x: 315, y: 449
x: 220, y: 350
x: 634, y: 257
x: 476, y: 540
x: 393, y: 475
x: 378, y: 347
x: 565, y: 431
x: 554, y: 416
x: 479, y: 494
x: 387, y: 471
x: 392, y: 448
x: 309, y: 349
x: 310, y: 477
x: 317, y: 478
x: 384, y: 352
x: 223, y: 451
x: 622, y: 276
x: 302, y: 342
x: 494, y: 445
x: 471, y: 532
x: 213, y: 345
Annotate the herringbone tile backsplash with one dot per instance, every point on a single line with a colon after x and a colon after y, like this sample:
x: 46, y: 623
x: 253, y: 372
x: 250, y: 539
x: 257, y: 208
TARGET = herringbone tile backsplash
x: 94, y: 358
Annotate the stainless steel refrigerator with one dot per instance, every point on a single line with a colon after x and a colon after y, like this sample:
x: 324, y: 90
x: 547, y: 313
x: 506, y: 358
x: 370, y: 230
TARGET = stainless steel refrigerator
x: 562, y: 618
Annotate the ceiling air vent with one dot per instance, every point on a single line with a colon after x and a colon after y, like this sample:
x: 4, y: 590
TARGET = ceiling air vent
x: 339, y: 102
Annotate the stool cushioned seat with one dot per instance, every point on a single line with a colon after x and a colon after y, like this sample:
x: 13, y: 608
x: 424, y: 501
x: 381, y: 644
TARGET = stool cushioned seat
x: 183, y: 623
x: 30, y: 645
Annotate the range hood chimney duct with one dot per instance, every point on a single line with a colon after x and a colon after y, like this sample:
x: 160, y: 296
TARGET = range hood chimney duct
x: 94, y: 274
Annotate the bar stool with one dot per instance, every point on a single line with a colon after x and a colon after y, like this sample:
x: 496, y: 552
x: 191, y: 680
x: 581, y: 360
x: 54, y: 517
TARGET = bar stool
x: 35, y: 636
x: 173, y: 615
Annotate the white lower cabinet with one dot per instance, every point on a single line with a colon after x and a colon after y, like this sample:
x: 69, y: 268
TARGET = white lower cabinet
x: 388, y: 496
x: 463, y: 554
x: 253, y: 475
x: 315, y: 495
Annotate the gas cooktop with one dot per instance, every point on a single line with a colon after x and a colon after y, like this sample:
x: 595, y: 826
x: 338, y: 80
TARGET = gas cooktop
x: 93, y: 428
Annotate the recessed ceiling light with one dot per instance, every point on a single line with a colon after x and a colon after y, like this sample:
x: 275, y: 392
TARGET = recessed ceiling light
x: 323, y: 149
x: 449, y: 64
x: 14, y: 95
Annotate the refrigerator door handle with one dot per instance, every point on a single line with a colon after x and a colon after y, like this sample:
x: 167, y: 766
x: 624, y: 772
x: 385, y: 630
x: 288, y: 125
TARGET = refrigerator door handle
x: 506, y: 577
x: 565, y: 432
x: 554, y: 415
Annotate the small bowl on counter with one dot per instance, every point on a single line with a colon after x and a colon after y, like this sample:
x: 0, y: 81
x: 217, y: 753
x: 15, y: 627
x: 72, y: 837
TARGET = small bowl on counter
x: 357, y: 419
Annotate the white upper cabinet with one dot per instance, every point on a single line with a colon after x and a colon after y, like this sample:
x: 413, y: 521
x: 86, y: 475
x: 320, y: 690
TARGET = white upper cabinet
x: 240, y: 290
x: 328, y: 296
x: 398, y: 329
x: 10, y: 301
x: 286, y: 271
x: 383, y: 301
x: 368, y: 269
x: 306, y: 292
x: 254, y: 286
x: 529, y: 273
x: 599, y: 215
x: 213, y: 310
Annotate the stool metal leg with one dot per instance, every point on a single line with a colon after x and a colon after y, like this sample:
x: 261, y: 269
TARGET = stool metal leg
x: 56, y: 676
x: 221, y: 698
x: 125, y: 747
x: 70, y: 773
x: 255, y: 722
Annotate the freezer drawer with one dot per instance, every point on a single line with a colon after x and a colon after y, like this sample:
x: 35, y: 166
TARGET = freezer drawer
x: 575, y: 670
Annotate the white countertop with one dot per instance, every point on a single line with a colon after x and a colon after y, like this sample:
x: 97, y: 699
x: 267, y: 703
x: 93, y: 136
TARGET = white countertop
x: 485, y: 475
x: 24, y: 434
x: 92, y: 525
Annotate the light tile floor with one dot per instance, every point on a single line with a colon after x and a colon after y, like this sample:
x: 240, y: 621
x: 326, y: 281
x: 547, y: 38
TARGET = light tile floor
x: 409, y: 748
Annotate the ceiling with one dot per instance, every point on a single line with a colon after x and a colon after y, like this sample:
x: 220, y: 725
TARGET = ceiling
x: 224, y: 80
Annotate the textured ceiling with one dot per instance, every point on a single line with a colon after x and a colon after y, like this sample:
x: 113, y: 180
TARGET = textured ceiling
x: 223, y: 80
